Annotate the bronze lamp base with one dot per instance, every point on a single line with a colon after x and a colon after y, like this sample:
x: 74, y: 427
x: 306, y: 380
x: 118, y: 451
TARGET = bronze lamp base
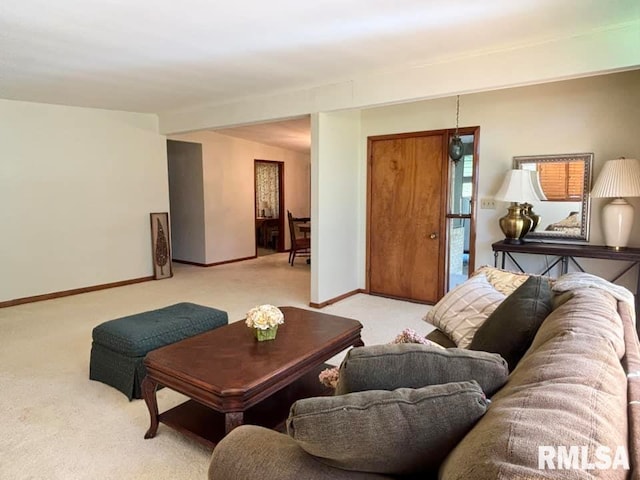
x: 527, y: 211
x: 515, y: 225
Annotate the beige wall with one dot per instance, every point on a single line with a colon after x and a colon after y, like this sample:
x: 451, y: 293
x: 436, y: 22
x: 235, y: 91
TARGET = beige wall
x: 228, y: 164
x: 598, y: 114
x: 76, y: 189
x: 77, y: 185
x: 334, y: 236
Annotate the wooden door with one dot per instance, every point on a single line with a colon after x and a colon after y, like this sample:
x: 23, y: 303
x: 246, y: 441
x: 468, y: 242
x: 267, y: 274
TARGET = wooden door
x: 406, y: 237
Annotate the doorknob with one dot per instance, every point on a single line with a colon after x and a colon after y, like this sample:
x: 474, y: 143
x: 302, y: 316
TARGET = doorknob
x: 433, y: 236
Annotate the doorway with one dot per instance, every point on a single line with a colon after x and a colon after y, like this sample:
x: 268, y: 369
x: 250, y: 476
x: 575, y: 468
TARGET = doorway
x: 186, y: 202
x: 461, y: 210
x: 411, y: 219
x: 269, y: 206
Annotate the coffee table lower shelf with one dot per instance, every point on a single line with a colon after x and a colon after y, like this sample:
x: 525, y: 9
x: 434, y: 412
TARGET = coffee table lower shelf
x: 207, y: 426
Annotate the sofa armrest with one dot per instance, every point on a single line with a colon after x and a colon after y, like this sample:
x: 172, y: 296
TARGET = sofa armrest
x: 251, y: 452
x: 441, y: 338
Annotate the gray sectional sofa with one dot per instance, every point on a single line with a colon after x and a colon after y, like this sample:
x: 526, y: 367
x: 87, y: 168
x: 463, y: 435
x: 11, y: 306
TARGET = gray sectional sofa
x: 575, y: 394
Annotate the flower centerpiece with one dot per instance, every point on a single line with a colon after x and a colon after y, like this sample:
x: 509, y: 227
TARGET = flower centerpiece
x: 265, y: 319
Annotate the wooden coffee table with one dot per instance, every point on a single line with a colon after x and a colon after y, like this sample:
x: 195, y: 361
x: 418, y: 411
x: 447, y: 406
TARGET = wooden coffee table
x: 233, y: 379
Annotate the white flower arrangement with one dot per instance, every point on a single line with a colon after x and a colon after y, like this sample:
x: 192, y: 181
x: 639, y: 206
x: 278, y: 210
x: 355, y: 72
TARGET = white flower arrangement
x: 264, y: 317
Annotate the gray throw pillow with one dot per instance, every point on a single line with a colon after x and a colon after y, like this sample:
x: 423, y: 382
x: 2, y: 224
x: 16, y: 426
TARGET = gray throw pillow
x: 510, y: 329
x: 399, y: 432
x: 387, y: 367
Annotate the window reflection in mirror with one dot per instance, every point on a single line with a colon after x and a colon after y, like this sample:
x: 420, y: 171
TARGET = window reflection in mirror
x: 560, y: 181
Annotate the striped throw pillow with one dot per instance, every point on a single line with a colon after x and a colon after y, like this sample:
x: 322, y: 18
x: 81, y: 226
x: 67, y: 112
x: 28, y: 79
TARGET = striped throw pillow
x: 464, y: 309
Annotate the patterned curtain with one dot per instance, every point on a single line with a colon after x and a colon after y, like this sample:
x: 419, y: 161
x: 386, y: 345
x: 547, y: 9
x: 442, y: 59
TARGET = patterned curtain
x: 267, y: 189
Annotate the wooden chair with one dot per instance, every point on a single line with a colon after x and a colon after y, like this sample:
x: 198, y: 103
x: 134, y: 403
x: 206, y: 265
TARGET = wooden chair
x: 300, y: 245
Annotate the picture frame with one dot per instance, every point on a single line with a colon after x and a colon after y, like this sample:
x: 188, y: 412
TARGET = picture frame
x: 563, y: 219
x: 161, y: 245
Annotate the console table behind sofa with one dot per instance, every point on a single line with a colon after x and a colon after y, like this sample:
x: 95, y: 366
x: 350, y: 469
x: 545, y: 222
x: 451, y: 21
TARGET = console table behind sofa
x: 566, y: 254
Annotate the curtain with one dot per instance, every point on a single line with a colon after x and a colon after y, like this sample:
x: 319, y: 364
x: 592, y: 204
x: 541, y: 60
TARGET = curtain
x: 267, y: 189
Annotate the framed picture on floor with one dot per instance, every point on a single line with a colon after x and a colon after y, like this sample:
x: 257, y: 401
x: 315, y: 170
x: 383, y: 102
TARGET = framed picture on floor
x: 160, y: 245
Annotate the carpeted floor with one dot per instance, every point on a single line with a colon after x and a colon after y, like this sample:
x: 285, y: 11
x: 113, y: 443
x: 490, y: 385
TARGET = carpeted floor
x: 57, y: 424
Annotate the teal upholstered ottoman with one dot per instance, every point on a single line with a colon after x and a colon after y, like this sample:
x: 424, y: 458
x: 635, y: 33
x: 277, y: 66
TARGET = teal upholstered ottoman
x: 119, y: 346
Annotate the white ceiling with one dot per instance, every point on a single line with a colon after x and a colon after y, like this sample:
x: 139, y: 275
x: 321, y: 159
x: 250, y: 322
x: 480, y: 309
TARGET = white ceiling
x: 290, y: 134
x: 162, y: 55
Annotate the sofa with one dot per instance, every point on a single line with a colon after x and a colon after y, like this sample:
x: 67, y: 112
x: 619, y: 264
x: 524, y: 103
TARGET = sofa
x: 570, y: 408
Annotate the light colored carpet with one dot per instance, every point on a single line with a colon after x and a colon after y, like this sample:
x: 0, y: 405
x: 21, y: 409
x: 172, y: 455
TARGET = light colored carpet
x: 57, y: 424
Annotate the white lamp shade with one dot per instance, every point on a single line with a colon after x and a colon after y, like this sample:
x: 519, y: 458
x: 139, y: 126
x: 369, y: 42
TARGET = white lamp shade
x: 618, y: 178
x: 535, y: 180
x: 517, y: 186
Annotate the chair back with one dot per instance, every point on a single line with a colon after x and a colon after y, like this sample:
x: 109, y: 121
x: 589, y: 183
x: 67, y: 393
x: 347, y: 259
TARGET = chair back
x: 294, y: 226
x: 300, y: 244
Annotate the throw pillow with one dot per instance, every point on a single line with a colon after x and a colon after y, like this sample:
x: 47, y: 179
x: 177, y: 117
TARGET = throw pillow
x: 510, y: 329
x: 399, y: 432
x: 461, y: 311
x: 329, y: 376
x: 502, y: 280
x: 387, y: 367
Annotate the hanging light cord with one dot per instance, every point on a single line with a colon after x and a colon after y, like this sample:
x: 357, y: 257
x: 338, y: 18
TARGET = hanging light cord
x: 457, y: 113
x: 456, y: 148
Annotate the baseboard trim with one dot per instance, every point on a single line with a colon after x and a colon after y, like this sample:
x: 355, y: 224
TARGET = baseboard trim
x: 337, y: 299
x: 187, y: 262
x: 75, y: 291
x: 403, y: 299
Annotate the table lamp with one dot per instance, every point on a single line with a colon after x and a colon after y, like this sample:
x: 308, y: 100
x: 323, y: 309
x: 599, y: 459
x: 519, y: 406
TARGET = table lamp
x: 517, y: 187
x: 618, y: 178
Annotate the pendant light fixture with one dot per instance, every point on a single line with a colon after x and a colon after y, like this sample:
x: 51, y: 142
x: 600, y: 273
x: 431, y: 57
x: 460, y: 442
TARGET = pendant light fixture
x: 456, y: 147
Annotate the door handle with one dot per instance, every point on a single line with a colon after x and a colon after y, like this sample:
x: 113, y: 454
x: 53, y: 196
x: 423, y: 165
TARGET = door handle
x: 433, y: 236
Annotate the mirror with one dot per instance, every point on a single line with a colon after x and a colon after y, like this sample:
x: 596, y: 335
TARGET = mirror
x: 565, y: 181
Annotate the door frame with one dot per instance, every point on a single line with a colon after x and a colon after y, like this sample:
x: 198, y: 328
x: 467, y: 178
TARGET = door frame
x: 281, y: 231
x: 475, y: 131
x: 443, y: 264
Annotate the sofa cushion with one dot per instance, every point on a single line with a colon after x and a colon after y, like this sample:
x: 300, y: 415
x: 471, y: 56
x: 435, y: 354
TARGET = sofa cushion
x: 504, y: 281
x: 461, y: 311
x: 510, y: 329
x: 395, y: 432
x: 387, y: 367
x: 250, y: 452
x: 568, y: 389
